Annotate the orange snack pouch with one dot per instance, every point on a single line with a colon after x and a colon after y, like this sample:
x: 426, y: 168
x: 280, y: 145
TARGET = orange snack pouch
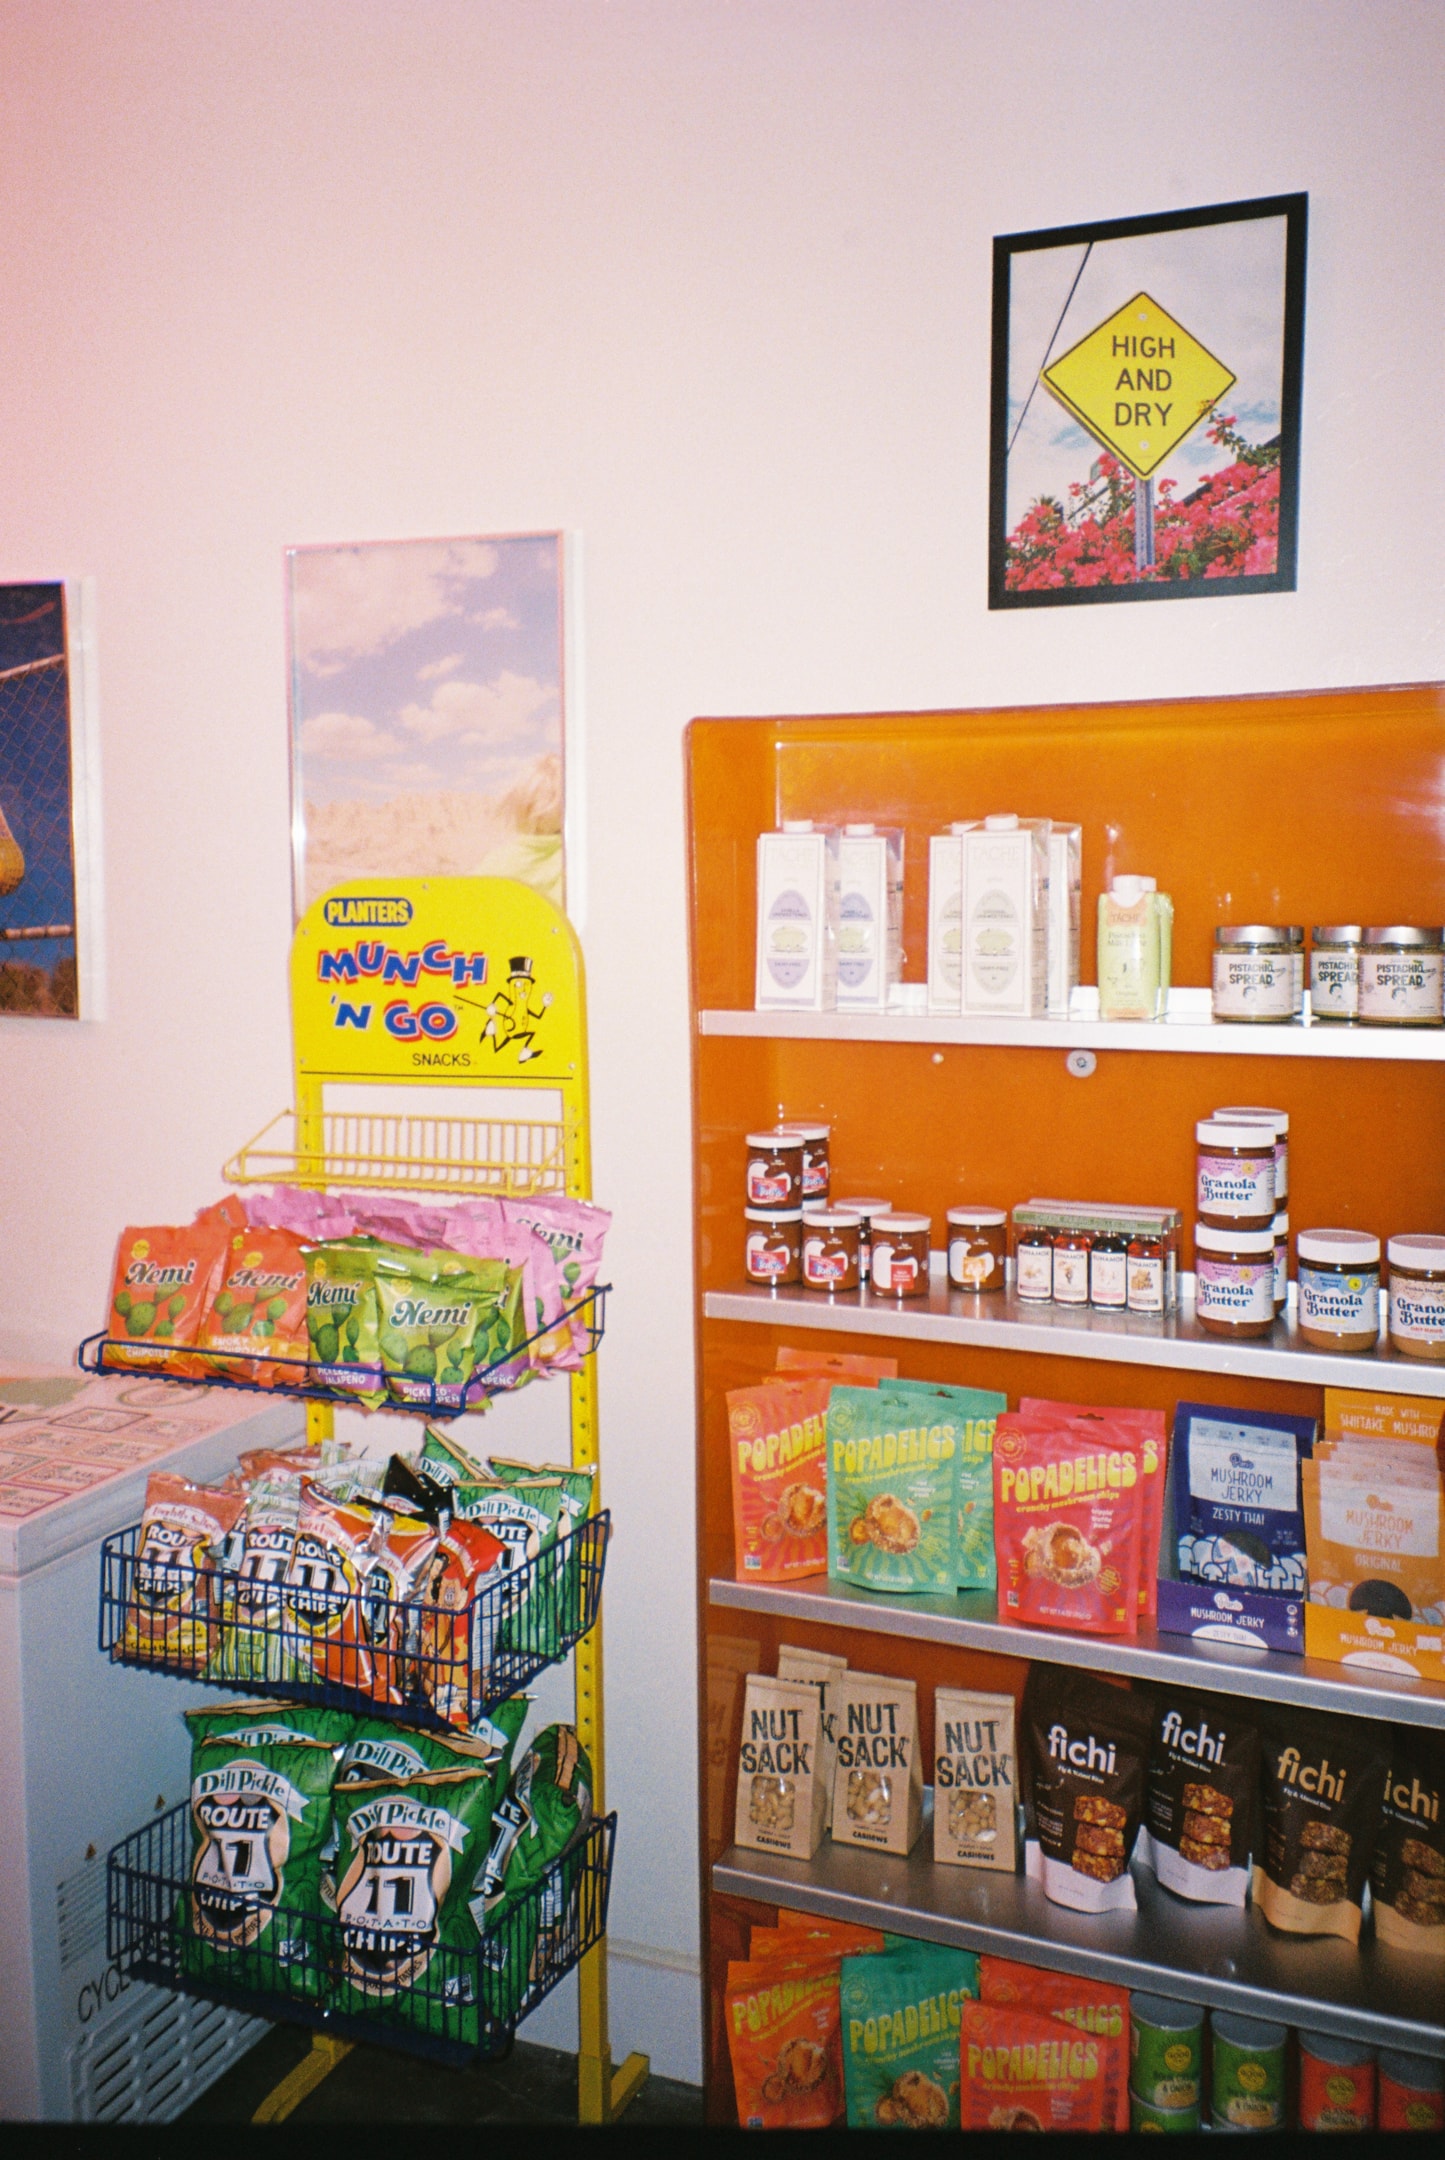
x: 1021, y: 2071
x: 851, y: 1365
x: 1152, y: 1431
x: 328, y: 1565
x: 778, y: 1447
x: 171, y: 1599
x: 785, y: 2038
x: 1092, y: 2006
x: 1068, y: 1516
x: 819, y: 1937
x: 259, y: 1304
x: 164, y: 1279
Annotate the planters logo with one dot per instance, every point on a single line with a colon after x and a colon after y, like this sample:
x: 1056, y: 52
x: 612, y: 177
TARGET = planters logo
x: 367, y: 913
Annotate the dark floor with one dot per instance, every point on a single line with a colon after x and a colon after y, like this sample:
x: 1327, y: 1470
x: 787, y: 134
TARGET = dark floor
x: 374, y: 2085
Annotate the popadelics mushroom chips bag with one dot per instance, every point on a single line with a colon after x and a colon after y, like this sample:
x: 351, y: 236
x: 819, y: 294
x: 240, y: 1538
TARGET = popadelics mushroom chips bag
x: 1068, y: 1522
x: 1087, y: 1747
x: 892, y: 1492
x: 1322, y: 1789
x: 1199, y: 1801
x: 900, y: 2018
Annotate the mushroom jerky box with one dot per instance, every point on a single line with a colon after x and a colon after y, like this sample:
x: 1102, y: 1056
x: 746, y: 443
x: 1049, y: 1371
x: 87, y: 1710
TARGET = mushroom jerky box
x: 975, y: 1780
x: 878, y: 1780
x: 781, y: 1798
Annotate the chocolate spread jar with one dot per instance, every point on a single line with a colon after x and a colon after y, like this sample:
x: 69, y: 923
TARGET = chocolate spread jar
x: 867, y: 1210
x: 775, y: 1172
x: 830, y: 1250
x: 977, y: 1247
x: 773, y: 1253
x: 898, y: 1262
x: 815, y: 1161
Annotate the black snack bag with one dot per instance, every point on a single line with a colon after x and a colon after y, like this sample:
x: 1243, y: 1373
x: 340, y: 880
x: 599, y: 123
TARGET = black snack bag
x: 1199, y: 1797
x: 1407, y: 1874
x: 1086, y: 1745
x: 1322, y: 1787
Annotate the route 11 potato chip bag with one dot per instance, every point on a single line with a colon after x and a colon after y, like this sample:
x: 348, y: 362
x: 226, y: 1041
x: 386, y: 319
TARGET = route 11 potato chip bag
x: 171, y: 1594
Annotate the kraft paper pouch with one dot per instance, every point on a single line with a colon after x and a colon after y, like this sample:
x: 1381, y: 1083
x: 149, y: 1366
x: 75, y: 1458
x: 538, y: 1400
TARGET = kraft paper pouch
x: 892, y: 1492
x: 1372, y: 1532
x: 900, y: 2019
x: 975, y: 1780
x: 781, y: 1802
x: 824, y: 1671
x: 878, y: 1774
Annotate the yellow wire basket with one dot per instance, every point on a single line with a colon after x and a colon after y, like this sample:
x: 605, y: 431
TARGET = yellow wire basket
x: 506, y: 1157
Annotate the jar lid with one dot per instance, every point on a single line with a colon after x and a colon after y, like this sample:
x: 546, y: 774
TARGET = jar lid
x: 903, y: 1223
x: 1129, y: 890
x: 1248, y: 1242
x: 806, y: 1132
x: 797, y: 824
x: 1406, y: 934
x: 860, y: 832
x: 1247, y: 1113
x: 1340, y: 1248
x: 1004, y: 822
x: 781, y: 1136
x: 1411, y: 1251
x: 1165, y: 2014
x: 1417, y: 2073
x: 1335, y: 2048
x: 824, y: 1218
x: 1340, y: 933
x: 977, y: 1218
x: 1281, y: 1224
x: 869, y: 1208
x: 1243, y: 2032
x: 1217, y: 1132
x: 1295, y: 933
x: 759, y: 1214
x: 1251, y: 933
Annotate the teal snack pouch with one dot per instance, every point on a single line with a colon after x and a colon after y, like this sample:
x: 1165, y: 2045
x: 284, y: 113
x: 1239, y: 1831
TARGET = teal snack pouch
x: 901, y: 2011
x: 892, y: 1491
x: 548, y: 1806
x: 978, y: 1410
x: 260, y: 1818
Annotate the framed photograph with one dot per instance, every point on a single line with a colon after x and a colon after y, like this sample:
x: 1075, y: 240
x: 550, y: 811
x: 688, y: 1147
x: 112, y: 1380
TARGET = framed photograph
x: 428, y: 712
x: 1146, y: 406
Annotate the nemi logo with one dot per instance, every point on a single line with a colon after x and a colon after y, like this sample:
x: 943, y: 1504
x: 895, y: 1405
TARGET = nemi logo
x: 353, y: 913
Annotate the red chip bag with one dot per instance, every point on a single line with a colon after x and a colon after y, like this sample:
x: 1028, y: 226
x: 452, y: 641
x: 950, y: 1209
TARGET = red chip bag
x: 1152, y: 1431
x: 452, y: 1646
x: 1068, y: 1516
x: 854, y: 1366
x: 393, y: 1564
x: 777, y: 1444
x: 259, y: 1304
x: 1020, y: 2071
x: 786, y: 2042
x: 1093, y: 2006
x: 809, y: 1931
x: 164, y: 1278
x: 328, y: 1565
x: 170, y: 1600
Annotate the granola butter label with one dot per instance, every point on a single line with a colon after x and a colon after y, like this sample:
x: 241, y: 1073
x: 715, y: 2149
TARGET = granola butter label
x: 974, y: 1780
x: 878, y: 1779
x: 780, y: 1797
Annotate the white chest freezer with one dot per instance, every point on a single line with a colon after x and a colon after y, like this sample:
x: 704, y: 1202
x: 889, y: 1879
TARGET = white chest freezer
x: 89, y: 1750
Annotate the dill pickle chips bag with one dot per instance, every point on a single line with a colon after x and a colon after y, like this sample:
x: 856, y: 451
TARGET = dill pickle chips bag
x: 892, y: 1491
x: 531, y: 1511
x: 547, y: 1808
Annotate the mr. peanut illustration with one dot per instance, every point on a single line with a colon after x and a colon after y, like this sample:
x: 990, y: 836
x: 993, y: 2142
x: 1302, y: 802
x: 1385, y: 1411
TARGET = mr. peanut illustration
x: 512, y: 1017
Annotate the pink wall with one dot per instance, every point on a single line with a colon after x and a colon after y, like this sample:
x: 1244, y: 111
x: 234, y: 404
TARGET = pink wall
x: 708, y: 284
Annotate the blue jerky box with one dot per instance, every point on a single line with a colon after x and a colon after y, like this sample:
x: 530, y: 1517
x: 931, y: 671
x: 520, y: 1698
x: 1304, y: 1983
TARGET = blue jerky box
x: 1253, y: 1619
x: 1238, y: 1509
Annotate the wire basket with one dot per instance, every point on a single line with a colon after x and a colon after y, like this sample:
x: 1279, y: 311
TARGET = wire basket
x: 306, y: 1640
x: 462, y: 2005
x: 505, y: 1157
x: 422, y: 1398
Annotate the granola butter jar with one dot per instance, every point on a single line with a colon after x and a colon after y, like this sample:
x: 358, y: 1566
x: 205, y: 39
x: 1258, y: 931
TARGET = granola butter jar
x: 773, y: 1252
x: 1402, y: 977
x: 1256, y: 1114
x: 1335, y: 971
x: 1234, y: 1280
x: 1254, y: 972
x: 1417, y: 1296
x: 815, y: 1161
x: 867, y: 1211
x: 830, y: 1250
x: 775, y: 1171
x: 1281, y: 1260
x: 1338, y: 1276
x: 1234, y: 1167
x: 977, y: 1247
x: 898, y: 1260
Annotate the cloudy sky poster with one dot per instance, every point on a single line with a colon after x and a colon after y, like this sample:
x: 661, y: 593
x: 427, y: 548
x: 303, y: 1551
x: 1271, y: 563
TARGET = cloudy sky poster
x: 427, y: 710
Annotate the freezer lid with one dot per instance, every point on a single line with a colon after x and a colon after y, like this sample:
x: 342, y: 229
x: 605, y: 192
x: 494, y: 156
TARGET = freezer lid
x: 75, y: 1450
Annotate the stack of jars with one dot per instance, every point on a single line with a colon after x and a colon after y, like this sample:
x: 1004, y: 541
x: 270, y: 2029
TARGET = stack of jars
x: 1241, y: 1237
x: 787, y: 1170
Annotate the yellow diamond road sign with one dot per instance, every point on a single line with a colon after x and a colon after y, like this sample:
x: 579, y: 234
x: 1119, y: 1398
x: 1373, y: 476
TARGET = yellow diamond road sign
x: 1139, y: 383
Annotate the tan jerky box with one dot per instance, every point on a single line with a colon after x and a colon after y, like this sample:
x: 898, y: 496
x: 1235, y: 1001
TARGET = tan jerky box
x: 825, y: 1671
x: 781, y: 1797
x: 975, y: 1779
x: 878, y: 1779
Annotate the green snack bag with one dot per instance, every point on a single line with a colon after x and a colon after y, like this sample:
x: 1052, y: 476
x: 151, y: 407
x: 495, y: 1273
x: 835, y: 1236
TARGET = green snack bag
x: 377, y: 1750
x: 892, y: 1491
x: 441, y: 1318
x: 548, y: 1806
x: 258, y: 1637
x: 341, y: 1319
x: 260, y: 1817
x: 978, y: 1410
x: 901, y: 2011
x: 448, y: 1463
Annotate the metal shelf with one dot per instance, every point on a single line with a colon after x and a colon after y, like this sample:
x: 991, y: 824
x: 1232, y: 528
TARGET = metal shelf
x: 1189, y: 1029
x: 969, y: 1622
x: 1001, y: 1321
x: 1211, y: 1954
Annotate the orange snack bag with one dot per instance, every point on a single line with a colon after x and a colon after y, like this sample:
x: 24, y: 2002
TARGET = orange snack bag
x: 327, y: 1567
x: 819, y: 1937
x: 1020, y: 2071
x: 171, y: 1595
x: 451, y: 1638
x: 1093, y: 2006
x: 259, y: 1304
x: 1067, y: 1516
x: 1152, y: 1431
x: 785, y: 2038
x: 851, y: 1365
x: 778, y: 1447
x: 164, y: 1278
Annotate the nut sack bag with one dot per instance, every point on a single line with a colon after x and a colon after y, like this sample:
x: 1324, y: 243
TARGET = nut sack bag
x: 781, y: 1802
x: 892, y: 1493
x: 1238, y: 1513
x: 975, y: 1780
x: 900, y: 2025
x: 172, y: 1596
x: 1199, y: 1798
x: 1322, y: 1788
x: 1149, y: 1429
x: 259, y: 1305
x: 163, y: 1281
x: 1068, y: 1519
x: 777, y: 1446
x: 783, y: 2037
x: 1087, y: 1747
x: 260, y: 1818
x: 1372, y: 1533
x: 878, y: 1775
x: 526, y: 1897
x: 1022, y: 2071
x: 820, y: 1669
x: 979, y: 1410
x: 1407, y: 1873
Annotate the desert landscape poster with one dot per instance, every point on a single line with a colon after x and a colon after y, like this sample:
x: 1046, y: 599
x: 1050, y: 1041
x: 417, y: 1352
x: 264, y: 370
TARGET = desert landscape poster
x: 427, y: 711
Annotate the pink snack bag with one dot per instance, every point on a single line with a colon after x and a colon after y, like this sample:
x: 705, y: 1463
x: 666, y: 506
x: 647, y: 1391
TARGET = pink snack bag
x: 1149, y: 1428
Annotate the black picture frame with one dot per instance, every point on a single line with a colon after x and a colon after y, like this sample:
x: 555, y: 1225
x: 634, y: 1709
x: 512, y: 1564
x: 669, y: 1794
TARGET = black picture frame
x: 1047, y: 558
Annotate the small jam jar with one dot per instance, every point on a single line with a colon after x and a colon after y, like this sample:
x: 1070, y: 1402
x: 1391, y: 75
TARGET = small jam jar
x: 1417, y: 1296
x: 1402, y: 977
x: 1145, y: 1279
x: 1034, y: 1264
x: 775, y: 1172
x: 1281, y: 1261
x: 977, y: 1247
x: 1338, y: 1277
x: 1254, y: 971
x: 867, y: 1211
x: 1071, y: 1250
x: 1335, y: 971
x: 830, y: 1250
x: 1109, y: 1273
x: 1234, y: 1280
x: 898, y: 1258
x: 815, y: 1161
x: 1256, y: 1114
x: 774, y: 1250
x: 1235, y: 1174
